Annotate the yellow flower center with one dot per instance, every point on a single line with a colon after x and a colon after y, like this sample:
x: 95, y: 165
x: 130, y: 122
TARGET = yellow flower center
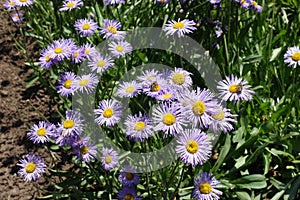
x: 235, y: 88
x: 101, y: 63
x: 129, y: 176
x: 108, y: 159
x: 150, y: 77
x: 205, y: 188
x: 30, y: 167
x: 67, y: 84
x: 23, y: 1
x: 87, y: 51
x: 83, y: 82
x: 192, y: 146
x: 178, y: 78
x: 199, y: 107
x: 76, y: 54
x: 41, y: 132
x: 178, y: 25
x: 119, y: 48
x: 139, y: 126
x: 169, y: 119
x: 68, y: 123
x: 220, y: 116
x: 254, y: 3
x: 128, y: 197
x: 84, y: 150
x: 58, y: 50
x: 167, y: 96
x: 86, y: 26
x: 108, y: 113
x: 12, y: 3
x: 16, y: 17
x: 129, y: 89
x: 296, y: 56
x: 47, y: 59
x: 112, y: 29
x: 70, y: 4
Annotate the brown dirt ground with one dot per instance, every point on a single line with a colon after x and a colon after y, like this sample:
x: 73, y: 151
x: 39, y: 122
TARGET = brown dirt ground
x: 17, y: 114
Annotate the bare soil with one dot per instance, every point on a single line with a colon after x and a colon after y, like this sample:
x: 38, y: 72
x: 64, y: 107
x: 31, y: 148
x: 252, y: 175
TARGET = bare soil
x: 18, y: 106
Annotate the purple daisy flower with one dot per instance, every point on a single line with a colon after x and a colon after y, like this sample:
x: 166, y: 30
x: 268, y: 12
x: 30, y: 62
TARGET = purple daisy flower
x: 17, y: 17
x: 154, y: 87
x: 85, y: 150
x: 64, y: 86
x: 148, y: 75
x: 166, y: 94
x: 234, y: 89
x: 85, y: 83
x: 109, y: 112
x: 180, y: 79
x: 138, y: 127
x: 32, y: 167
x: 254, y: 6
x: 292, y: 57
x: 193, y: 147
x: 120, y: 48
x: 168, y: 118
x: 128, y: 193
x: 86, y: 27
x: 128, y: 89
x: 113, y: 2
x: 197, y: 106
x: 24, y: 2
x: 10, y: 4
x: 205, y: 187
x: 41, y: 132
x: 100, y: 63
x: 111, y: 30
x: 109, y: 158
x: 128, y: 178
x: 180, y: 28
x: 89, y: 50
x: 222, y: 120
x: 78, y: 55
x: 61, y: 49
x: 72, y: 125
x: 70, y: 5
x: 45, y: 59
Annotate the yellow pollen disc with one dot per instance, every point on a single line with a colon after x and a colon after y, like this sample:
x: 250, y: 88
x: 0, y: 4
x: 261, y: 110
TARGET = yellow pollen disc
x: 119, y: 48
x: 76, y: 54
x: 68, y: 123
x: 192, y: 146
x: 166, y: 96
x: 128, y: 197
x: 70, y: 4
x: 139, y: 126
x: 296, y: 56
x: 129, y: 89
x: 101, y: 63
x: 86, y: 26
x: 47, y: 59
x: 235, y: 88
x: 23, y: 1
x: 108, y: 113
x: 205, y: 188
x: 83, y: 82
x: 41, y: 132
x: 169, y: 119
x: 242, y: 2
x: 220, y: 116
x: 129, y: 176
x: 150, y: 77
x: 58, y: 50
x: 87, y: 51
x: 254, y: 3
x: 155, y: 87
x: 178, y: 78
x: 108, y: 159
x: 178, y: 25
x: 199, y: 107
x: 112, y: 29
x: 84, y: 150
x: 30, y: 167
x: 12, y: 3
x: 16, y: 17
x: 67, y: 84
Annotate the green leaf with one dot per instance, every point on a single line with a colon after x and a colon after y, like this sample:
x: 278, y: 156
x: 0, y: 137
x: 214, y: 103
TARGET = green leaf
x: 243, y: 195
x: 254, y: 181
x: 275, y: 53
